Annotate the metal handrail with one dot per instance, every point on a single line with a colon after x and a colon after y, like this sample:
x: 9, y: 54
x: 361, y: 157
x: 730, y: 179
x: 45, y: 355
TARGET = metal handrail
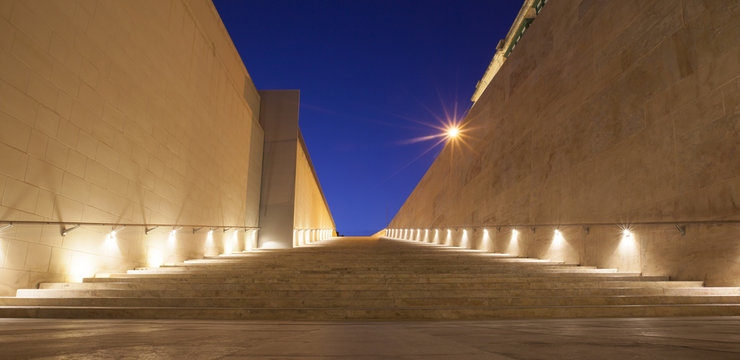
x: 680, y: 225
x: 147, y: 227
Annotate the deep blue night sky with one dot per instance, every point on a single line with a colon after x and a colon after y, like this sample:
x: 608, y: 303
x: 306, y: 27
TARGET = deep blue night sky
x: 369, y: 73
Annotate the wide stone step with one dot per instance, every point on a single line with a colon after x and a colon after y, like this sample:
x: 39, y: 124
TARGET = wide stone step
x: 369, y: 313
x: 378, y: 278
x: 563, y: 288
x: 208, y: 290
x: 129, y: 285
x: 359, y: 267
x: 288, y: 272
x: 332, y: 302
x: 496, y: 282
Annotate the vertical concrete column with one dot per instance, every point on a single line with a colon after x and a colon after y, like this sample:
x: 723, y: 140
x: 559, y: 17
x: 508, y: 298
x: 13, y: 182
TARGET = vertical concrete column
x: 279, y: 118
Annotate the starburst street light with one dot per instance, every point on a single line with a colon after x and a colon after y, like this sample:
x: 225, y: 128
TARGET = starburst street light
x: 453, y: 132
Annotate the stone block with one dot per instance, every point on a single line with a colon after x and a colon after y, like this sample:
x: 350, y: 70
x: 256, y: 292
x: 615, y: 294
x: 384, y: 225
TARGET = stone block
x: 47, y: 121
x: 43, y: 91
x: 16, y: 254
x: 76, y: 163
x: 14, y: 133
x: 13, y: 71
x: 65, y: 80
x: 89, y: 73
x: 98, y: 174
x: 716, y: 141
x: 107, y: 155
x: 105, y: 200
x: 68, y: 134
x: 93, y: 214
x: 64, y: 105
x: 45, y: 205
x: 32, y: 53
x: 92, y: 100
x: 20, y: 195
x: 17, y: 104
x: 83, y: 117
x: 59, y: 260
x: 11, y: 279
x: 75, y: 187
x: 68, y: 209
x: 43, y: 174
x: 37, y: 144
x: 14, y: 162
x: 37, y: 257
x: 87, y: 145
x: 56, y: 153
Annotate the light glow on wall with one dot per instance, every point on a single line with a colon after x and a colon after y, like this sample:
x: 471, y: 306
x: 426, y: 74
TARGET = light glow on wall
x: 513, y: 246
x: 426, y: 235
x: 209, y: 238
x: 436, y: 236
x: 251, y: 244
x: 111, y: 241
x: 81, y: 267
x: 486, y: 240
x: 155, y: 258
x: 464, y: 243
x: 172, y: 237
x: 627, y: 244
x: 229, y: 244
x: 557, y: 239
x: 448, y: 240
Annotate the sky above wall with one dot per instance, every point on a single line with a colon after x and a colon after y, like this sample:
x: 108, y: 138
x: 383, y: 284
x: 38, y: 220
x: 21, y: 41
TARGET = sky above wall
x: 374, y: 75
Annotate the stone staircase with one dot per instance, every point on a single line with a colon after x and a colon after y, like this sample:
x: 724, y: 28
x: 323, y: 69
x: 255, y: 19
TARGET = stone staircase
x: 371, y: 279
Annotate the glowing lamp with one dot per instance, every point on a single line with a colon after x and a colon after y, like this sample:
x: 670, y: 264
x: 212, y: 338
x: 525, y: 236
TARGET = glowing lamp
x: 453, y: 132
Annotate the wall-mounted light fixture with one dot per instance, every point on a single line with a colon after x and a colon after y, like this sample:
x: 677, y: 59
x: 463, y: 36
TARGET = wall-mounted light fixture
x: 67, y: 230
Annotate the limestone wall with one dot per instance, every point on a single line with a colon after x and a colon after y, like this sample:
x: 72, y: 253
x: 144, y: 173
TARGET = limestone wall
x: 121, y: 111
x: 610, y: 112
x: 312, y: 219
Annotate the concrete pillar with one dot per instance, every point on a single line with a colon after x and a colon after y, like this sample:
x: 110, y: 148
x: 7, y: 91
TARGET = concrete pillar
x: 279, y: 118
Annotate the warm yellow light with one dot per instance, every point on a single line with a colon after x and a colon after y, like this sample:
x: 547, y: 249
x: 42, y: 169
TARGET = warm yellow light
x: 557, y: 238
x: 172, y: 237
x: 111, y: 241
x: 209, y: 238
x: 453, y: 132
x: 155, y: 258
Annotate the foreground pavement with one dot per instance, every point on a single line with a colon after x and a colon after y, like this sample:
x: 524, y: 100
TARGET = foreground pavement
x: 630, y: 338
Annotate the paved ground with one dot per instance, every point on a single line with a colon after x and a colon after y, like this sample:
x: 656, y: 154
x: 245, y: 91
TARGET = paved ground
x: 655, y: 338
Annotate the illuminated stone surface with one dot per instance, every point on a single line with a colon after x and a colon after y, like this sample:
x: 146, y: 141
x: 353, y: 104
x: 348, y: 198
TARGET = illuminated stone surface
x: 371, y: 279
x: 606, y: 112
x: 129, y: 112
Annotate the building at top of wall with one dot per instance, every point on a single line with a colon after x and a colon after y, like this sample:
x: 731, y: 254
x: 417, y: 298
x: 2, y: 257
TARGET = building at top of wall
x: 525, y: 17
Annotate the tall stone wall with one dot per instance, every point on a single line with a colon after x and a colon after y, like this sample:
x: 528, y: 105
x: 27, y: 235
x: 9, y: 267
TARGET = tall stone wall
x: 126, y: 112
x: 606, y: 112
x: 312, y: 213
